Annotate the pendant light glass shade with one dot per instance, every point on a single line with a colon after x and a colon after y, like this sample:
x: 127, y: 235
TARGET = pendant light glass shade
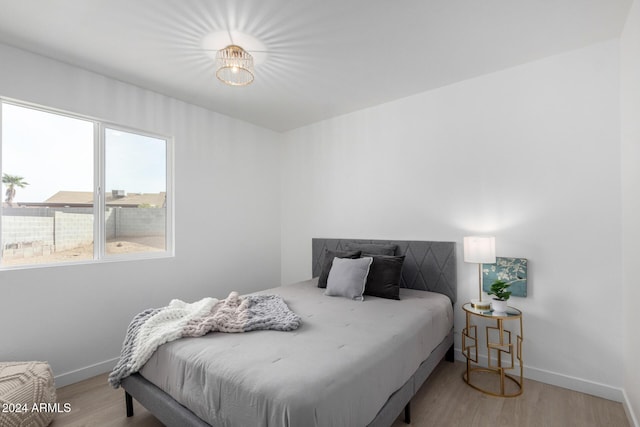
x: 234, y: 66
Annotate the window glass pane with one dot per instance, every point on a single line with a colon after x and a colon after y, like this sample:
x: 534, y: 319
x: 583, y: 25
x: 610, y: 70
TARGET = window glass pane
x: 135, y: 196
x: 47, y: 183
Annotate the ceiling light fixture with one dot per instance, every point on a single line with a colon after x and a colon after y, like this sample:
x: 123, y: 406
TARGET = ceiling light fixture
x: 234, y: 66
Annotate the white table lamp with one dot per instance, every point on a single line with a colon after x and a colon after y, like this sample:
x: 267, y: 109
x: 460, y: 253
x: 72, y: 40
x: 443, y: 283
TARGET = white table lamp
x: 480, y: 250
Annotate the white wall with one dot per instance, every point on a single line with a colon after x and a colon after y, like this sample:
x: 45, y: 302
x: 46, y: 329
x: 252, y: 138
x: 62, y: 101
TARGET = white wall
x: 530, y: 154
x: 226, y: 177
x: 630, y: 113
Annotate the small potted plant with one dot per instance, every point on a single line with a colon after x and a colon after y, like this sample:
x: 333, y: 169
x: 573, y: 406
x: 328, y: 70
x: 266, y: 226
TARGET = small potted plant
x: 501, y: 294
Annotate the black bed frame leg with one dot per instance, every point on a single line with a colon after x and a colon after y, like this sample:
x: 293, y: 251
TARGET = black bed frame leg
x: 407, y: 413
x: 128, y: 400
x: 450, y: 356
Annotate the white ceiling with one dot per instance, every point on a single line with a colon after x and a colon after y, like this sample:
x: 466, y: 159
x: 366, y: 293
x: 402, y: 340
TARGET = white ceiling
x: 325, y: 57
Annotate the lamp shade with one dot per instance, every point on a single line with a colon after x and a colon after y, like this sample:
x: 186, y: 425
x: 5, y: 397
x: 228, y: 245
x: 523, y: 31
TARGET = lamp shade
x: 480, y: 249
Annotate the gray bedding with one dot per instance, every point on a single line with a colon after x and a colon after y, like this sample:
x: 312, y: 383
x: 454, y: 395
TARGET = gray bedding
x: 337, y: 369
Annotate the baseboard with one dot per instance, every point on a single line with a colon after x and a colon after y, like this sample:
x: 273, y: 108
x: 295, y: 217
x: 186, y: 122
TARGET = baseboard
x: 85, y: 373
x: 628, y: 409
x: 573, y: 383
x: 565, y: 381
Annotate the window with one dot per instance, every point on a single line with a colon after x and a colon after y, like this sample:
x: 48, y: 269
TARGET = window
x: 136, y: 207
x: 54, y: 169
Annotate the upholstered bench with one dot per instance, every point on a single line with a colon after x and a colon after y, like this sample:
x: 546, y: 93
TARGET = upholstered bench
x: 26, y: 390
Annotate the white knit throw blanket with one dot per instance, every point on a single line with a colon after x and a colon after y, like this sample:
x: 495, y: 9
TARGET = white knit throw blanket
x: 154, y: 327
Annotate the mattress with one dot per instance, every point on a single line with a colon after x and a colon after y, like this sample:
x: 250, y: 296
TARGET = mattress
x: 337, y: 369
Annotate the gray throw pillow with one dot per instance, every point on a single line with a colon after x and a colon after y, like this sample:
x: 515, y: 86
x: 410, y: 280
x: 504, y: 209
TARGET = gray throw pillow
x: 348, y: 277
x: 384, y: 276
x: 327, y: 261
x: 372, y: 248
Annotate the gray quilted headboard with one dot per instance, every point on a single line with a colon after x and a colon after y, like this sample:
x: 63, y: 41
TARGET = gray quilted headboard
x: 428, y: 266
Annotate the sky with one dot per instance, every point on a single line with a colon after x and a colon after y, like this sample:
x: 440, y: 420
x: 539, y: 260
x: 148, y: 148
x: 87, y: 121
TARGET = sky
x: 56, y: 153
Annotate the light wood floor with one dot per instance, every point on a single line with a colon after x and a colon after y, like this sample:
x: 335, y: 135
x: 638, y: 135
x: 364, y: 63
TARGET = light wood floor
x: 443, y: 401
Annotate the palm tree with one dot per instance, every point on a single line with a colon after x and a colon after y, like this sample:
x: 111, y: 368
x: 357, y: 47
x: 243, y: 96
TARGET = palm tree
x: 12, y: 182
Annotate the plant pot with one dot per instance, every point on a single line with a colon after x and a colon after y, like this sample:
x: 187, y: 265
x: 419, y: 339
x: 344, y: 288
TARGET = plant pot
x: 499, y: 306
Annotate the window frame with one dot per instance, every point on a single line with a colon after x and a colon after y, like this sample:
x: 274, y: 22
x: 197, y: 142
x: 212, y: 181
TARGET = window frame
x: 99, y: 158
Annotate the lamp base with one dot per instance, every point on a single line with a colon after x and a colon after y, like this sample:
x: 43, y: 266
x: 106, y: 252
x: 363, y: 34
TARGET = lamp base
x: 480, y: 305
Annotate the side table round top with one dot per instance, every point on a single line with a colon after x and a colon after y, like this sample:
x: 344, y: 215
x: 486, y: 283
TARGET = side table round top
x: 511, y: 313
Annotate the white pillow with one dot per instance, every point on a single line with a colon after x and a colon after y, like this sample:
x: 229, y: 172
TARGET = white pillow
x: 348, y: 277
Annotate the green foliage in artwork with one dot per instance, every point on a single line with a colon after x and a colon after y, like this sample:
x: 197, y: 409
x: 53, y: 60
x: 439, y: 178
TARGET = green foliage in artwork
x: 509, y: 270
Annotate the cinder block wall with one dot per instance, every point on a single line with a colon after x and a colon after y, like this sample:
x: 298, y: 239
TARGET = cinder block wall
x: 72, y: 230
x: 68, y: 228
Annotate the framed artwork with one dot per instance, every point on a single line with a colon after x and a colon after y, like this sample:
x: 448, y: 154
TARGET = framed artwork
x: 510, y: 270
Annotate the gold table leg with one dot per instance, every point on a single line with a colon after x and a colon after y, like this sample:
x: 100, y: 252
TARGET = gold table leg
x: 503, y: 345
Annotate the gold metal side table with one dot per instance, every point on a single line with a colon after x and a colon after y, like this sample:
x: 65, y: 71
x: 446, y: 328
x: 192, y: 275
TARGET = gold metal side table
x: 501, y: 354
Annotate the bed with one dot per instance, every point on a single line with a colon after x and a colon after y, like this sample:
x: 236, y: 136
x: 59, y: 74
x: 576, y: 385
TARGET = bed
x: 350, y: 363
